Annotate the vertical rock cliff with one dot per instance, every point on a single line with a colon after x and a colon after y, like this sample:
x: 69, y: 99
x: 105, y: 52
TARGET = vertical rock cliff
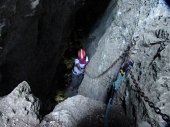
x: 146, y: 23
x: 32, y: 35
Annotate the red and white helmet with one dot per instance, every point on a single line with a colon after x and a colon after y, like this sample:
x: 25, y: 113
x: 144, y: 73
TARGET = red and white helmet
x: 81, y: 54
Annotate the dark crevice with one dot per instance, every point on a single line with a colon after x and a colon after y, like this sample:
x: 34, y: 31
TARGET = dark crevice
x: 168, y: 2
x: 51, y: 34
x: 84, y: 20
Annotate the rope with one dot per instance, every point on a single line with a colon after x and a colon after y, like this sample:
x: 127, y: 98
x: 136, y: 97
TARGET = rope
x: 165, y: 117
x: 120, y: 57
x: 116, y: 83
x: 107, y: 111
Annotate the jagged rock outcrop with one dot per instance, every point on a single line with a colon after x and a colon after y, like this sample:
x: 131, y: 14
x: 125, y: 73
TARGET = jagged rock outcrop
x: 147, y: 24
x: 20, y: 108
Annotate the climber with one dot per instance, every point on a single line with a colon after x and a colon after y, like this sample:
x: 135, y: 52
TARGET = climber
x: 79, y: 68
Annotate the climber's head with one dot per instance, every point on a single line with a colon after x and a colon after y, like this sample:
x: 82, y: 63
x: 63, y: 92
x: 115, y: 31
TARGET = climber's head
x: 81, y: 54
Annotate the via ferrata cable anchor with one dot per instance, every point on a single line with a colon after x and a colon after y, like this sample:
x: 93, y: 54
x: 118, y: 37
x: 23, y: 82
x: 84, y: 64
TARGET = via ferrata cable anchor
x: 115, y: 87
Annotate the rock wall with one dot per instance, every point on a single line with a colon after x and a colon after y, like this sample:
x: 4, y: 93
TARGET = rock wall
x: 19, y: 20
x: 147, y: 24
x: 20, y: 108
x: 31, y: 37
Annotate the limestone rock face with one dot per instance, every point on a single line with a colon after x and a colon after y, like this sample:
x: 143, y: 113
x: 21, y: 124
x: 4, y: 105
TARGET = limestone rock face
x: 147, y: 24
x: 31, y: 33
x: 20, y: 108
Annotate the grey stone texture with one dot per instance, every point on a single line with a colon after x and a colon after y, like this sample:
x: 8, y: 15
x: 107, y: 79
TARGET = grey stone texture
x: 20, y: 108
x: 25, y: 48
x: 147, y: 24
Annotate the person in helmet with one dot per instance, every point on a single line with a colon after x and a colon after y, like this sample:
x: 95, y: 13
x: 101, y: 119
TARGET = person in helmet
x: 79, y: 68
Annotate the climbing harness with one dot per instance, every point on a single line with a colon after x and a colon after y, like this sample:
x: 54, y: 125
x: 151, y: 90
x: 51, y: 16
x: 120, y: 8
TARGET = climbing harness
x: 114, y: 88
x: 146, y: 99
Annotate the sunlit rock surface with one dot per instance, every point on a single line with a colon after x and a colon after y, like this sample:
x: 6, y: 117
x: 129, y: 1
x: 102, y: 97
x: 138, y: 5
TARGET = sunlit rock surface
x: 20, y: 108
x: 147, y: 24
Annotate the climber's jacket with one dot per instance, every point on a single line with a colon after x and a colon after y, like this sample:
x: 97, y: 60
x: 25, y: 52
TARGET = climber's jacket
x: 82, y: 64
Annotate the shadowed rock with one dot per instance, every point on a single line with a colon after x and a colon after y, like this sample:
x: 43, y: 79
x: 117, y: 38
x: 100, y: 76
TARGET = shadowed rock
x: 80, y: 111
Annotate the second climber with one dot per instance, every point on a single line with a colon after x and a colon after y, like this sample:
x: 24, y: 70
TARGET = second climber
x: 79, y: 68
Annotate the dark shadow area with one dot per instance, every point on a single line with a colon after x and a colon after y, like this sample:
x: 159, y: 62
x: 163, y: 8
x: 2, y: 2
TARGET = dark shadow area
x: 88, y: 15
x: 6, y: 86
x: 116, y: 118
x: 167, y: 2
x: 85, y: 19
x: 3, y: 87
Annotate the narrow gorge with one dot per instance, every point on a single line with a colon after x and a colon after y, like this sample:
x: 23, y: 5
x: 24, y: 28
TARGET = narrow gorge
x: 39, y: 40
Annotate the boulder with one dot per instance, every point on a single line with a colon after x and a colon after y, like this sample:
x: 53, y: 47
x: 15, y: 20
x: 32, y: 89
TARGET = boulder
x: 80, y: 111
x: 20, y: 108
